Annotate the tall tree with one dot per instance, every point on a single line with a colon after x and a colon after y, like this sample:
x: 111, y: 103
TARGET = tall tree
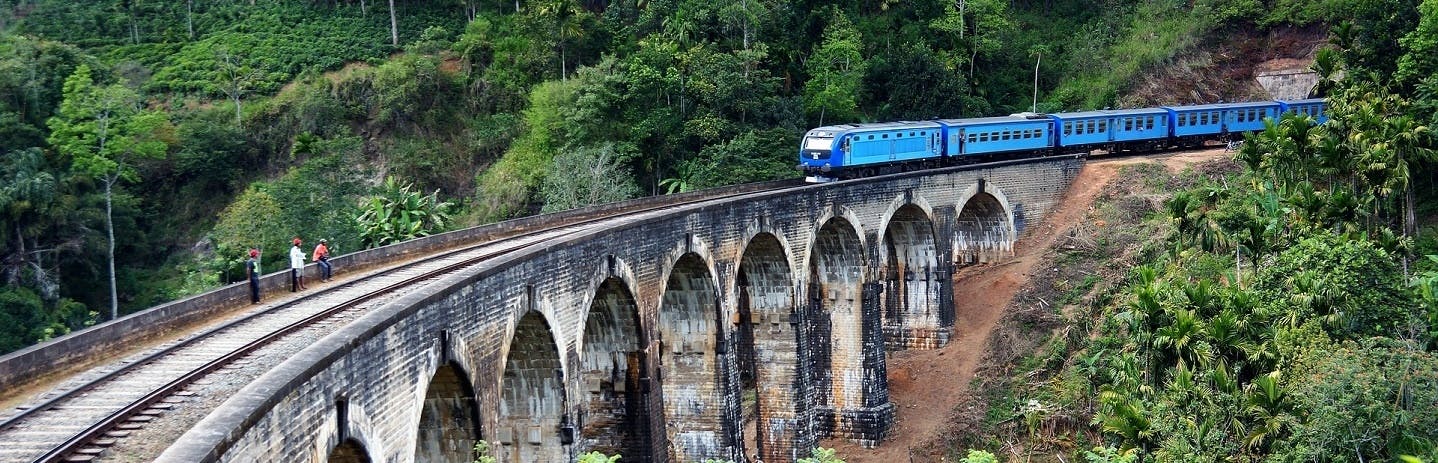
x: 393, y: 26
x: 104, y: 131
x: 235, y: 78
x: 835, y: 71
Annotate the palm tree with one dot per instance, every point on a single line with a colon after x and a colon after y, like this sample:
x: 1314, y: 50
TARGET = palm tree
x: 568, y: 21
x: 1411, y: 144
x: 1267, y: 404
x: 27, y: 189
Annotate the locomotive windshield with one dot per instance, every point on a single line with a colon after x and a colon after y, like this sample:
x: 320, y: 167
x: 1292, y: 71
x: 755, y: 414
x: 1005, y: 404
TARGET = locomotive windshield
x: 815, y: 143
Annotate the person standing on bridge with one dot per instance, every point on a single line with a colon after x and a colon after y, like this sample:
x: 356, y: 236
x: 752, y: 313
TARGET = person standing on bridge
x: 252, y: 273
x: 297, y: 267
x: 321, y: 256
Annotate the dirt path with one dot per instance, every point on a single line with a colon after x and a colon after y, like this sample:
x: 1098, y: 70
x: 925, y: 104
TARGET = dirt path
x: 926, y: 385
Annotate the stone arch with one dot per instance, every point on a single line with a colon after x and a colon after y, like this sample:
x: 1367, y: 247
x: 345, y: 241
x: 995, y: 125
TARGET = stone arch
x: 984, y: 229
x: 836, y: 264
x: 613, y: 370
x: 531, y: 408
x: 690, y: 335
x: 449, y: 417
x: 349, y: 451
x: 768, y: 341
x: 916, y: 282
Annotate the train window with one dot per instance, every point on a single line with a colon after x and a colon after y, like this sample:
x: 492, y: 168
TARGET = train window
x: 1192, y: 118
x: 871, y: 137
x: 1068, y: 128
x: 1213, y: 117
x: 1005, y: 135
x: 1102, y: 126
x: 1148, y: 123
x: 886, y: 135
x: 1089, y: 127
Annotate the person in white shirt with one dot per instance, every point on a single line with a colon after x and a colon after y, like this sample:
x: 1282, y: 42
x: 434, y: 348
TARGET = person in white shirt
x: 297, y: 267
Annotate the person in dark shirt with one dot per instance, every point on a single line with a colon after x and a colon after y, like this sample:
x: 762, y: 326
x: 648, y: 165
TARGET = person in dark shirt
x: 252, y: 272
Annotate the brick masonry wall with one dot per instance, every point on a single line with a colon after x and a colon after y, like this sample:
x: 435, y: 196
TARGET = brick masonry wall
x: 366, y: 382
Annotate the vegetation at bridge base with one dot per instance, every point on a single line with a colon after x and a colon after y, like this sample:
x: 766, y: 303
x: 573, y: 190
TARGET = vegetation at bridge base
x: 1280, y: 309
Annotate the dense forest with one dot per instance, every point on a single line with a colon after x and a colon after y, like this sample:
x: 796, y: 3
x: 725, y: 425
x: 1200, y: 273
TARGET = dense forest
x: 1285, y: 312
x: 1280, y: 308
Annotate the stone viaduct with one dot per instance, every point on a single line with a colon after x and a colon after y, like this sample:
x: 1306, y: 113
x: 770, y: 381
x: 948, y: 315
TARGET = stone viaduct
x: 654, y: 338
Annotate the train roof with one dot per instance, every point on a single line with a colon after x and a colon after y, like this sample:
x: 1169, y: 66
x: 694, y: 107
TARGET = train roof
x: 842, y: 128
x: 1304, y: 101
x: 1110, y: 112
x: 994, y: 120
x: 1205, y: 107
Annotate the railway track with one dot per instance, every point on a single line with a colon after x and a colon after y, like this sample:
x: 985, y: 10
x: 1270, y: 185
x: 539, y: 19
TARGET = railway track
x: 81, y: 419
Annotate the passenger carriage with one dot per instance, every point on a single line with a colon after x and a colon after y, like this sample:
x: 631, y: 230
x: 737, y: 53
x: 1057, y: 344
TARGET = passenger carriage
x: 1143, y: 129
x: 1316, y: 108
x: 1193, y: 125
x: 997, y: 135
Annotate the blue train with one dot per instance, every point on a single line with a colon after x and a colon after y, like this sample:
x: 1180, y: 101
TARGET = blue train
x: 860, y: 150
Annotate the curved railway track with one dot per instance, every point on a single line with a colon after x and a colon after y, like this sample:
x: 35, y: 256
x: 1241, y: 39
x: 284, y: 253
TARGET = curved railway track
x: 76, y: 424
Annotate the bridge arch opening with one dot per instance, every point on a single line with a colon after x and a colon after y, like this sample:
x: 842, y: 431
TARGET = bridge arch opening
x: 914, y: 283
x: 531, y: 395
x: 768, y: 350
x: 615, y: 419
x: 349, y: 451
x: 449, y: 419
x: 982, y: 231
x: 689, y: 333
x: 836, y: 286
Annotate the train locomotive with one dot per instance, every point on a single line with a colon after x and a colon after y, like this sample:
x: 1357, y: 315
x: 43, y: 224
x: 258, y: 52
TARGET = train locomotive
x: 860, y: 150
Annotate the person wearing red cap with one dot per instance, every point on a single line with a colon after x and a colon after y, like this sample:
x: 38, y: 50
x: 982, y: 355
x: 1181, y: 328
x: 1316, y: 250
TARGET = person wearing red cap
x: 252, y: 273
x: 297, y: 267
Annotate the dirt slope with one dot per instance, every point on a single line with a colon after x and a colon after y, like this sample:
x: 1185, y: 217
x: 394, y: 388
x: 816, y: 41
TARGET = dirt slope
x: 930, y: 386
